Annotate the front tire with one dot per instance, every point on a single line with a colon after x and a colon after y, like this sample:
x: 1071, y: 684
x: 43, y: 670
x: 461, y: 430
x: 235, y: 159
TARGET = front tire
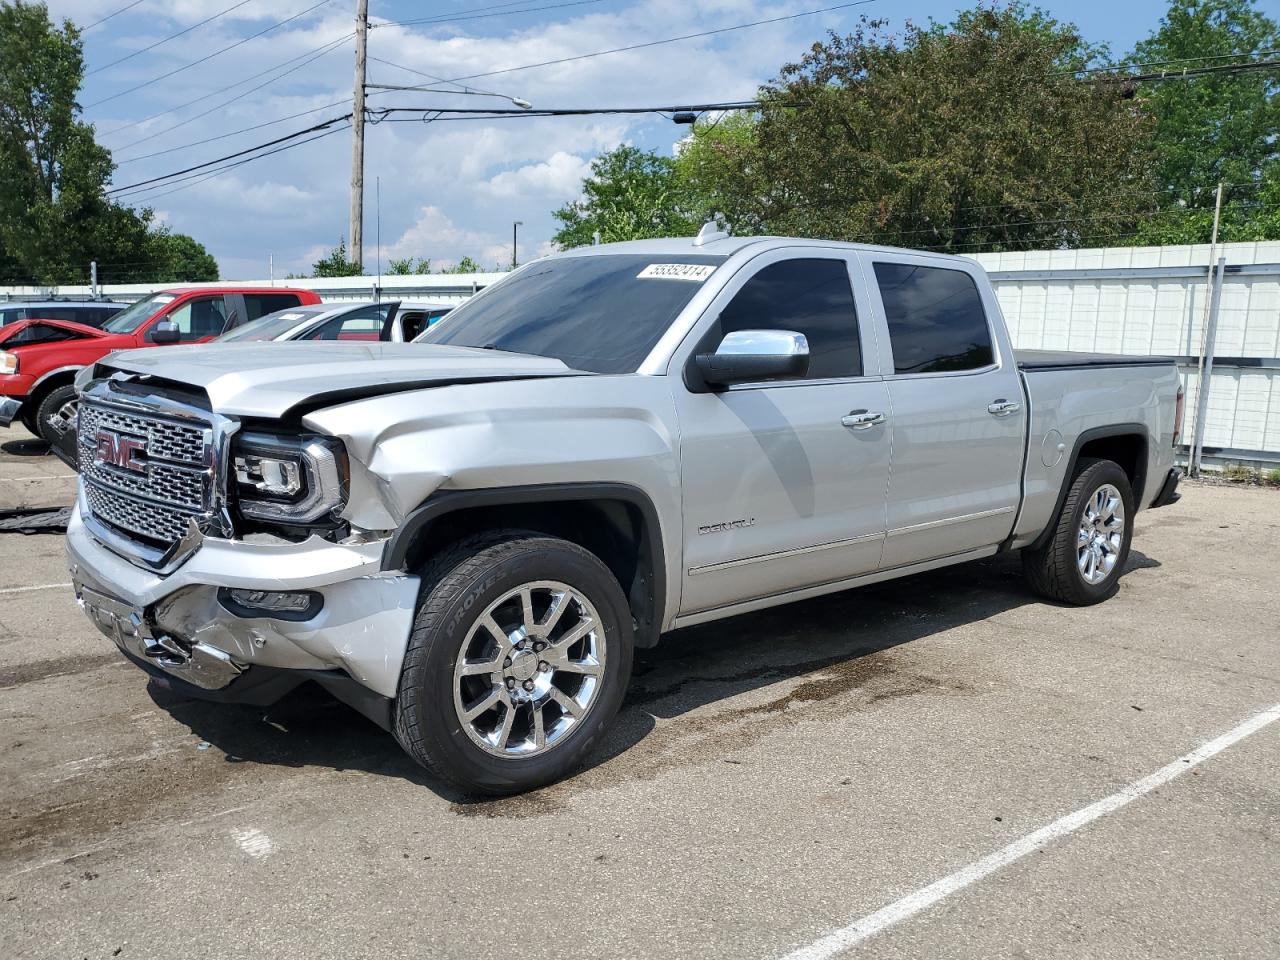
x: 519, y: 657
x: 1082, y: 562
x: 56, y: 413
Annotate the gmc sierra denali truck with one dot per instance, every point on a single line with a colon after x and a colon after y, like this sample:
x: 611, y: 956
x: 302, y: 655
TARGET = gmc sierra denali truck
x: 465, y: 537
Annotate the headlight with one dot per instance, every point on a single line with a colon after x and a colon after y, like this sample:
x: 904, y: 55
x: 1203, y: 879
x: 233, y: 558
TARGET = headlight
x: 292, y: 480
x: 8, y: 362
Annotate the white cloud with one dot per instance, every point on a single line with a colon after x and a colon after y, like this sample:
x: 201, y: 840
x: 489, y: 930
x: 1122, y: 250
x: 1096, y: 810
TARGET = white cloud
x: 557, y: 178
x: 434, y: 236
x: 449, y: 188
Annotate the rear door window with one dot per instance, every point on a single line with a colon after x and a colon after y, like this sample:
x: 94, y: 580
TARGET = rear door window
x: 260, y: 304
x: 810, y: 296
x: 937, y: 323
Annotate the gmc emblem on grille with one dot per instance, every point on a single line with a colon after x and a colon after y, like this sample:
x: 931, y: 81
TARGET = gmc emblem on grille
x: 117, y: 450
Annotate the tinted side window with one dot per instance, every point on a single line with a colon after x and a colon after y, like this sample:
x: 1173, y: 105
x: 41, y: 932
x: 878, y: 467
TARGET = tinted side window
x: 363, y: 324
x: 260, y: 304
x: 936, y: 319
x: 198, y: 319
x: 70, y: 314
x: 812, y: 297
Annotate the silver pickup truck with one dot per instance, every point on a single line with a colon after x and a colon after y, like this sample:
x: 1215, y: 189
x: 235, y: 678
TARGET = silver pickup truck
x: 466, y: 536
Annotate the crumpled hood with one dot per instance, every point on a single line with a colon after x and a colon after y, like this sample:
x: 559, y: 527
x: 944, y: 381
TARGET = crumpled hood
x: 10, y: 331
x: 269, y: 379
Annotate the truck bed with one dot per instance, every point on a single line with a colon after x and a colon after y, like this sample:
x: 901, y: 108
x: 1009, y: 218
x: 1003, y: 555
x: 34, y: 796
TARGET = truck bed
x: 1067, y: 360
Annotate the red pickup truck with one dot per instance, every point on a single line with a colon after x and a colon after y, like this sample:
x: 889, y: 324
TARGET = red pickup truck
x: 40, y: 358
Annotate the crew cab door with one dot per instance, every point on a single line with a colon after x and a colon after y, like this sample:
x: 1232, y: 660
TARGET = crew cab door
x: 957, y: 415
x: 779, y: 493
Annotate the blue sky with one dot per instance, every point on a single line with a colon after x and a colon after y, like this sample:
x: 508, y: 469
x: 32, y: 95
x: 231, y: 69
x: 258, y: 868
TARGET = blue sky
x: 448, y: 188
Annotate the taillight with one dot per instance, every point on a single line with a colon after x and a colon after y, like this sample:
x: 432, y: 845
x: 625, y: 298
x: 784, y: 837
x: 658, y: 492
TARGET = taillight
x: 1178, y: 409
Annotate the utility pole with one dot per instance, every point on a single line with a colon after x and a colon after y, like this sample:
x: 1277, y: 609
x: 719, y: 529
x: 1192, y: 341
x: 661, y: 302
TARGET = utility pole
x: 515, y: 228
x: 356, y: 231
x: 93, y: 279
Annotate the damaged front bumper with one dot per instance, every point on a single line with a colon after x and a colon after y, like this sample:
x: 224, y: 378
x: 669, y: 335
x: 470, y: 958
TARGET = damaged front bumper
x: 180, y: 626
x: 10, y: 407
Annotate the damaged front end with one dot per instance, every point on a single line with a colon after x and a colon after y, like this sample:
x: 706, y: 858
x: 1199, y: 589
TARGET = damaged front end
x: 216, y: 554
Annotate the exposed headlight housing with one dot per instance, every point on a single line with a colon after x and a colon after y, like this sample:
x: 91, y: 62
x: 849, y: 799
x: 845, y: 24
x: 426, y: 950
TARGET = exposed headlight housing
x: 8, y: 362
x: 299, y: 480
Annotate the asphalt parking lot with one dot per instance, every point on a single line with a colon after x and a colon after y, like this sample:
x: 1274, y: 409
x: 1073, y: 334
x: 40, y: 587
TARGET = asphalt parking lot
x: 772, y: 780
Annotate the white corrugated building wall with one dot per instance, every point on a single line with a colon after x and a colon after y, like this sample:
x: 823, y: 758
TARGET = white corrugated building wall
x: 1152, y: 300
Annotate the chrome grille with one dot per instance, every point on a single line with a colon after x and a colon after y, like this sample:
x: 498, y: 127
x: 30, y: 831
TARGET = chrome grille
x: 155, y: 504
x: 137, y: 518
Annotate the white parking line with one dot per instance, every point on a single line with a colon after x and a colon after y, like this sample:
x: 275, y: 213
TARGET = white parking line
x: 56, y: 476
x: 39, y: 586
x: 922, y: 899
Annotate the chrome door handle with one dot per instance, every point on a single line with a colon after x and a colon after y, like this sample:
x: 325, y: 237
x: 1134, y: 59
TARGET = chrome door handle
x: 1002, y: 407
x: 862, y: 419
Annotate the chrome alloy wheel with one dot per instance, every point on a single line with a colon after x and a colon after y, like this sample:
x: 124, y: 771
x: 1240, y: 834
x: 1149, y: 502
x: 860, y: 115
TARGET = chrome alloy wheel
x: 1101, y: 536
x: 530, y: 669
x: 64, y: 418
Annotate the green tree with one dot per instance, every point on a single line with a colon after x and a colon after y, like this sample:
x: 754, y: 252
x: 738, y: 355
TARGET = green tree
x: 1211, y: 129
x: 631, y: 194
x: 407, y: 266
x: 715, y: 169
x: 336, y: 264
x: 965, y: 136
x: 52, y: 169
x: 55, y: 216
x: 465, y: 265
x: 181, y: 258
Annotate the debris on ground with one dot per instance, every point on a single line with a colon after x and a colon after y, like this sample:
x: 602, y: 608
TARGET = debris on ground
x: 35, y: 520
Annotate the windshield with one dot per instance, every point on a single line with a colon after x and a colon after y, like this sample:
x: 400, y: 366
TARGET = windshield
x: 131, y: 318
x: 599, y: 313
x: 271, y: 326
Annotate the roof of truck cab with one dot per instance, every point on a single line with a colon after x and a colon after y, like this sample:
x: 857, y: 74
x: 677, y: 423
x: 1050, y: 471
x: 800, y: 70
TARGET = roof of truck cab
x: 233, y: 288
x: 727, y: 246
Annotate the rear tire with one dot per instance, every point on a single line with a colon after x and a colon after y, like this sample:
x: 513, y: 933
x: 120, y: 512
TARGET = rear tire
x: 1083, y: 559
x: 56, y: 413
x: 519, y: 657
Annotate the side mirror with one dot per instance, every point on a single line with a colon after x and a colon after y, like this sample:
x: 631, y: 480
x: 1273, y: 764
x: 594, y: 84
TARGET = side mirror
x: 746, y: 356
x: 165, y: 331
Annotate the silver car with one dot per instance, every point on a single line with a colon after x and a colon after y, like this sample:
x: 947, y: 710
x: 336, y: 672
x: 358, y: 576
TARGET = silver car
x: 387, y: 320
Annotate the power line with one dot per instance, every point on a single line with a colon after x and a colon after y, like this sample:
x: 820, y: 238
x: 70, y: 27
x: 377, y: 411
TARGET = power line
x: 231, y: 156
x: 230, y: 86
x: 231, y: 100
x: 233, y: 133
x: 478, y: 15
x: 208, y: 57
x: 1190, y: 73
x: 652, y: 43
x: 567, y: 111
x: 657, y: 43
x: 172, y: 36
x: 115, y: 13
x: 1164, y: 63
x: 197, y: 179
x: 400, y: 66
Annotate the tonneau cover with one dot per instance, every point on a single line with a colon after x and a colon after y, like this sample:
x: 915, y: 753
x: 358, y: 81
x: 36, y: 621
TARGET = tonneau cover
x: 1067, y: 360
